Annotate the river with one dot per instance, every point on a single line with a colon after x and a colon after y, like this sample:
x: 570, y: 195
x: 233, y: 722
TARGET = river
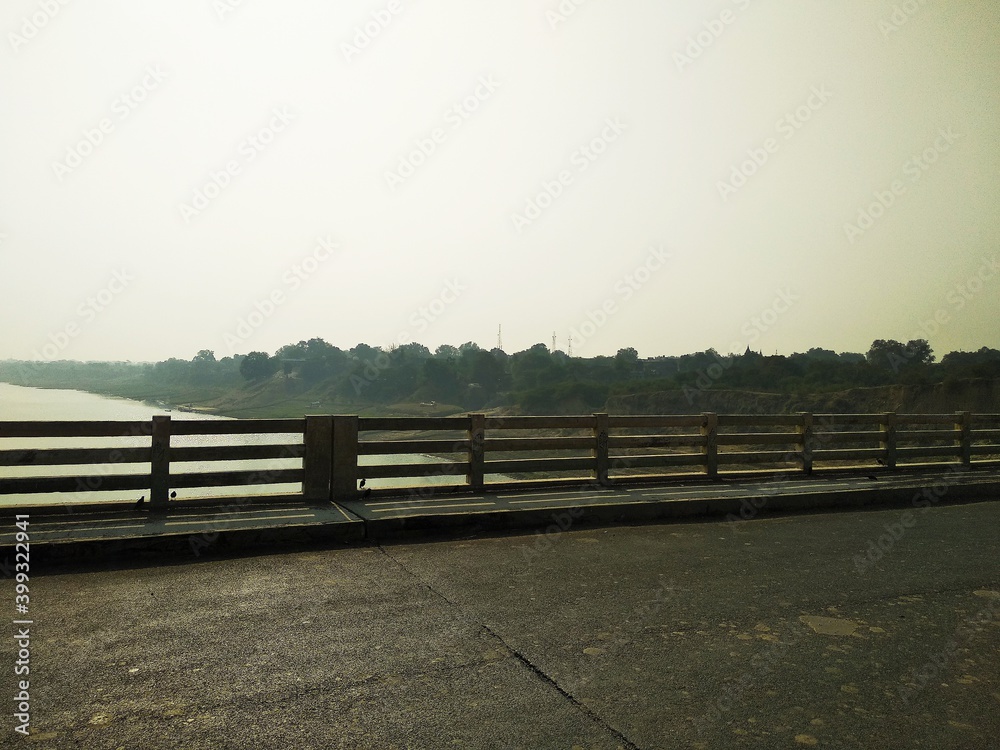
x: 46, y: 404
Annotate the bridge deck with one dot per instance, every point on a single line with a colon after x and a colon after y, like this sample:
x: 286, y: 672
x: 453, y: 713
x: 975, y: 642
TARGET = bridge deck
x: 780, y: 632
x: 238, y: 523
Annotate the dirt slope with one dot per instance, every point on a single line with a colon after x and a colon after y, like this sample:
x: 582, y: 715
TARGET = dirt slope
x: 978, y: 396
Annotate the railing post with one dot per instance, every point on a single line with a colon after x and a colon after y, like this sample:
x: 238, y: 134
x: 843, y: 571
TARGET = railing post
x: 317, y: 463
x: 805, y: 445
x: 710, y: 449
x: 477, y: 452
x: 159, y: 466
x: 888, y: 442
x: 963, y: 426
x: 344, y: 472
x: 602, y: 462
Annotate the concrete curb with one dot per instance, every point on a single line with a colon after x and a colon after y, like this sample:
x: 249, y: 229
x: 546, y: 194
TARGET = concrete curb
x: 359, y: 527
x: 389, y: 529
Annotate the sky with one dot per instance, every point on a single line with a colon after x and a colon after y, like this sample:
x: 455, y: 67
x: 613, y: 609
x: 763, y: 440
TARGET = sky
x: 238, y: 175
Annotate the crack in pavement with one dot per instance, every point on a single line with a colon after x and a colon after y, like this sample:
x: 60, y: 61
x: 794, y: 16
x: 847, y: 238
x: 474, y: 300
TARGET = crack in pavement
x: 531, y: 666
x: 542, y: 675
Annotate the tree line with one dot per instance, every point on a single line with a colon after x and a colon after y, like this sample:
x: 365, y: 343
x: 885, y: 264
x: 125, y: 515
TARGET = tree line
x: 536, y: 380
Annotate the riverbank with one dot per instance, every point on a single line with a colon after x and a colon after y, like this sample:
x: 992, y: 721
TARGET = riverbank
x: 274, y: 399
x: 289, y: 395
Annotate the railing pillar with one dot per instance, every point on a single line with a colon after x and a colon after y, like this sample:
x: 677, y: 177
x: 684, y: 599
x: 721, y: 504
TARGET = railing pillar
x: 805, y: 445
x: 602, y: 462
x: 159, y: 466
x: 344, y: 476
x: 477, y: 452
x: 317, y: 463
x: 710, y: 448
x: 963, y: 428
x: 888, y: 442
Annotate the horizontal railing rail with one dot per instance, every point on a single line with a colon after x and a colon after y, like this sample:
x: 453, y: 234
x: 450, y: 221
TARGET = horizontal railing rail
x: 161, y: 467
x: 329, y: 455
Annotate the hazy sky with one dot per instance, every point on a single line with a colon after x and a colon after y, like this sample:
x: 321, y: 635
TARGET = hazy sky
x: 671, y: 176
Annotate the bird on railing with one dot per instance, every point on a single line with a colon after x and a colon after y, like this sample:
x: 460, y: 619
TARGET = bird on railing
x: 880, y: 461
x: 139, y: 502
x: 362, y: 483
x: 173, y: 495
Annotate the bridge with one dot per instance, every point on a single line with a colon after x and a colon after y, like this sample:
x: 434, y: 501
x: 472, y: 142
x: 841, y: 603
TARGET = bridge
x: 503, y: 596
x: 350, y: 478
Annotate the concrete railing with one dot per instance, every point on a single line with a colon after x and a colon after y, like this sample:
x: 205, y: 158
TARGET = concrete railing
x: 473, y: 453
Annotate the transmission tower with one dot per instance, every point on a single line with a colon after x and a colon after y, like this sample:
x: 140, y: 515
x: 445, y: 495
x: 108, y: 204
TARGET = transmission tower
x: 500, y: 337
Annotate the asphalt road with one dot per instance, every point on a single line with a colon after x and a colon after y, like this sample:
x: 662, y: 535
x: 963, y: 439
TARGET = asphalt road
x: 770, y: 633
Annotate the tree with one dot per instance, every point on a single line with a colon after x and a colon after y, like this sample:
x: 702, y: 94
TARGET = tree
x: 291, y: 351
x: 825, y: 355
x: 411, y: 351
x: 984, y: 356
x: 919, y: 352
x: 891, y: 354
x: 486, y: 371
x: 203, y: 366
x: 257, y: 366
x: 531, y: 368
x: 438, y: 380
x: 172, y: 370
x: 886, y: 354
x: 366, y: 353
x: 627, y: 361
